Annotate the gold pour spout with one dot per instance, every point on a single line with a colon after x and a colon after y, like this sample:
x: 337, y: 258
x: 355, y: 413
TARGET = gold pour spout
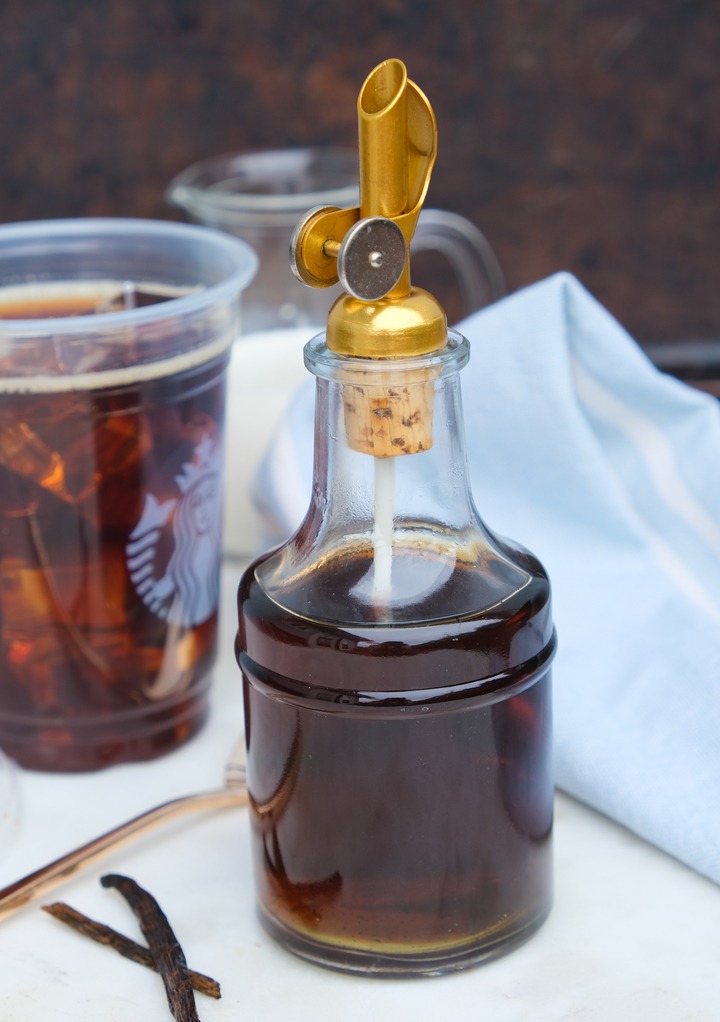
x: 388, y: 412
x: 367, y: 248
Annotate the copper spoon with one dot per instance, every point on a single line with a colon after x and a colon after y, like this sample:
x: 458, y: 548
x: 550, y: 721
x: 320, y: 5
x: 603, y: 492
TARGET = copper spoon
x: 233, y: 793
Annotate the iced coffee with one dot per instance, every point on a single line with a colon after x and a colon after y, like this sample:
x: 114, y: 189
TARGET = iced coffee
x: 111, y: 448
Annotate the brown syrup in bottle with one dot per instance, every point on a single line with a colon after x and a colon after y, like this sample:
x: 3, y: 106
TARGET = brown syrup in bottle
x: 400, y: 774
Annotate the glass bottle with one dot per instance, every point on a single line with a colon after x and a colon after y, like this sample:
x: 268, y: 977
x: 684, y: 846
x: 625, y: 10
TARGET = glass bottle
x: 396, y: 666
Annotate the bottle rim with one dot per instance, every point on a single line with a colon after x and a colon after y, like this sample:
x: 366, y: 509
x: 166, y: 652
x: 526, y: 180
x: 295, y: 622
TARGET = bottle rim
x: 327, y: 365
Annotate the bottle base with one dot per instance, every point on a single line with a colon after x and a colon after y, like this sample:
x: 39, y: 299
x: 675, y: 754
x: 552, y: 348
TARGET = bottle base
x: 392, y: 964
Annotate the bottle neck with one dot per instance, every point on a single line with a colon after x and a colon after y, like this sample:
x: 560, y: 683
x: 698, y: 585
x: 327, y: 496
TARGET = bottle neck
x: 390, y: 538
x: 390, y: 447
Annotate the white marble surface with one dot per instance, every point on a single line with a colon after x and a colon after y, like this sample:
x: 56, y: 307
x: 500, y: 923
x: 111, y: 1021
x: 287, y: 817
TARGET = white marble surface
x: 633, y: 934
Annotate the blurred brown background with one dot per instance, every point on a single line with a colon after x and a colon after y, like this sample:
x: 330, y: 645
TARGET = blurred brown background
x: 578, y: 135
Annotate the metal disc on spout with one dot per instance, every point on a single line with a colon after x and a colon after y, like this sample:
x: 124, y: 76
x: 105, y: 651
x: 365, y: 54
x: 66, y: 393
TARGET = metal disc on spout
x: 372, y: 258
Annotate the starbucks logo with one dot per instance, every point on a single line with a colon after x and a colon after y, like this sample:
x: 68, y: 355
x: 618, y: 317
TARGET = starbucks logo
x: 186, y: 592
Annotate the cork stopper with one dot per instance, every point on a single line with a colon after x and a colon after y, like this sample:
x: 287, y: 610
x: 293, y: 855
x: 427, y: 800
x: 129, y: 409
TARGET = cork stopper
x: 386, y: 417
x: 381, y: 316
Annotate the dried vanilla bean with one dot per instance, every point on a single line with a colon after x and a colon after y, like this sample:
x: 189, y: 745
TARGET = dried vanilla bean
x: 128, y: 948
x: 163, y: 945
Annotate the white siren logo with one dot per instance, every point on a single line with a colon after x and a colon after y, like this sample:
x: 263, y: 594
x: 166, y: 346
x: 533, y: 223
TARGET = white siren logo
x: 187, y: 592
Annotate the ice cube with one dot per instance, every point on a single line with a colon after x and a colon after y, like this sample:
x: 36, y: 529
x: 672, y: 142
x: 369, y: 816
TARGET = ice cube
x: 23, y: 452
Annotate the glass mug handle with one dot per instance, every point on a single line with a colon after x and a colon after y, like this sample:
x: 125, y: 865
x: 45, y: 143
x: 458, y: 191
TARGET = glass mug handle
x: 467, y: 250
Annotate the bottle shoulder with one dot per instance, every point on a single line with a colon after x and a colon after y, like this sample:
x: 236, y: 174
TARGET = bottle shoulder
x: 481, y: 618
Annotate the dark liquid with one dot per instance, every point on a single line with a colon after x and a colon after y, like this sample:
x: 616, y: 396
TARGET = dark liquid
x: 92, y: 673
x: 402, y: 810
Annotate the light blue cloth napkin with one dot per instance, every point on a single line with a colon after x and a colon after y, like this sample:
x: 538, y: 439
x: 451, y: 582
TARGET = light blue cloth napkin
x: 610, y: 472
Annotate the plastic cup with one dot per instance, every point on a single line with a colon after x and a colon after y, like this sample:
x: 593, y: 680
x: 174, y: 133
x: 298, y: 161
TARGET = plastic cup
x: 114, y: 342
